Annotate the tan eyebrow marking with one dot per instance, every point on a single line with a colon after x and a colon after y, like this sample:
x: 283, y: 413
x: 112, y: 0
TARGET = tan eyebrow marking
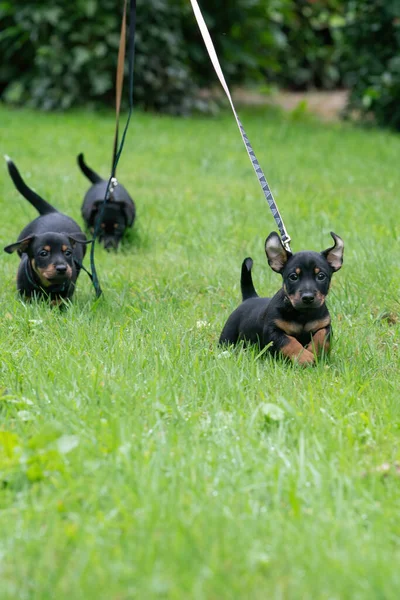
x: 298, y: 270
x: 317, y: 270
x: 64, y: 247
x: 47, y: 248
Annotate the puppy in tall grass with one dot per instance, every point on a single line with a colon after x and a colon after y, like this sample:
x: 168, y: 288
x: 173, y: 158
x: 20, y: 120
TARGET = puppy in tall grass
x: 117, y: 215
x: 51, y: 248
x: 295, y: 323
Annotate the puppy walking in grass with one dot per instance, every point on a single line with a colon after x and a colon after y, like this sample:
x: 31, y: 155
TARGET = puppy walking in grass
x: 117, y: 215
x: 295, y: 323
x: 51, y: 248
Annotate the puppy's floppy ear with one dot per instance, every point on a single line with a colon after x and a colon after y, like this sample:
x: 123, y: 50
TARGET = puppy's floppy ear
x: 334, y: 255
x: 96, y: 207
x: 276, y: 254
x: 89, y: 212
x: 74, y: 241
x: 22, y: 246
x: 129, y: 212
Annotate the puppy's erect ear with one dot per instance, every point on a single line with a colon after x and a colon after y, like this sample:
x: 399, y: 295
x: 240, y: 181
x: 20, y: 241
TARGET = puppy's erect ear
x: 21, y: 246
x: 276, y: 253
x: 334, y: 255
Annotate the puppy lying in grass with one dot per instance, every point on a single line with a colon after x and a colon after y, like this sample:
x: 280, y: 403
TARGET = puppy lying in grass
x: 295, y: 323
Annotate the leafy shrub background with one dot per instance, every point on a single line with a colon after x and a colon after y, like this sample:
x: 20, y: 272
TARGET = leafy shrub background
x: 372, y: 59
x: 311, y: 50
x: 58, y: 54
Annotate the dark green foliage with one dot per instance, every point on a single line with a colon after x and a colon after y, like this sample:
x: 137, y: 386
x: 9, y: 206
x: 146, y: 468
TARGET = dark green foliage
x: 245, y: 36
x: 372, y: 59
x: 59, y: 54
x: 309, y: 54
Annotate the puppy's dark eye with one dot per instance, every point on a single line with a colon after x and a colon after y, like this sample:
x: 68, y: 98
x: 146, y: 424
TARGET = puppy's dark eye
x: 321, y: 276
x: 43, y: 253
x: 293, y: 277
x: 67, y: 253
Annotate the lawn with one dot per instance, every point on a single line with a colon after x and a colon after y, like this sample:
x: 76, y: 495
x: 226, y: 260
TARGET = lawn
x: 140, y: 460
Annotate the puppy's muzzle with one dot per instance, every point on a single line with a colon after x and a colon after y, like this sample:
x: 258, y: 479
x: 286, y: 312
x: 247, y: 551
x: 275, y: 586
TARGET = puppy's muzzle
x: 308, y: 298
x: 110, y: 243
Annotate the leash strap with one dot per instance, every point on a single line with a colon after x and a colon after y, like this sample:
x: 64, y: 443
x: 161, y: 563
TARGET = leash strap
x: 256, y: 165
x: 119, y: 82
x: 112, y: 182
x: 82, y: 266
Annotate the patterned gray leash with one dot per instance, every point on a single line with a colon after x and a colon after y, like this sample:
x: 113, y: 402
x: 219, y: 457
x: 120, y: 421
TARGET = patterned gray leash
x: 256, y: 165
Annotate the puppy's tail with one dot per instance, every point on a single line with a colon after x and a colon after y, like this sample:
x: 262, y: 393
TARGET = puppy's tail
x: 246, y: 280
x: 37, y: 201
x: 90, y: 174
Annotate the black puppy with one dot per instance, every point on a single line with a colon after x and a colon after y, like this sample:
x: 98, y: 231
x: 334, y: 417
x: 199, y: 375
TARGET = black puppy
x: 295, y: 322
x: 51, y: 248
x: 118, y: 213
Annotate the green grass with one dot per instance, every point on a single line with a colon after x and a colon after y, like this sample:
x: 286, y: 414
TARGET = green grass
x: 138, y: 459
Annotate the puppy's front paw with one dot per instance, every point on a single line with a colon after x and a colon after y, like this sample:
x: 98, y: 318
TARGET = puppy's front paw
x: 319, y: 344
x: 305, y: 358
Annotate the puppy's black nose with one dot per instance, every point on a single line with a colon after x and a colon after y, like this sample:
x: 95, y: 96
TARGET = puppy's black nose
x: 61, y: 269
x: 307, y: 298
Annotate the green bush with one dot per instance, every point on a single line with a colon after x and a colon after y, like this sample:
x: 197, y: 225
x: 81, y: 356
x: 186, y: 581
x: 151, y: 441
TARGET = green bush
x: 372, y: 59
x: 309, y: 55
x: 245, y: 34
x: 59, y: 54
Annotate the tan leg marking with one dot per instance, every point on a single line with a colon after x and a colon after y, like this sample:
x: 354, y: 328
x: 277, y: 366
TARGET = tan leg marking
x: 56, y: 302
x: 296, y: 352
x: 319, y: 344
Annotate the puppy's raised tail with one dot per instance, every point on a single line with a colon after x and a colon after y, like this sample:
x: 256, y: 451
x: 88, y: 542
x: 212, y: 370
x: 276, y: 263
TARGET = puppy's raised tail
x: 90, y: 174
x: 246, y: 280
x: 37, y: 201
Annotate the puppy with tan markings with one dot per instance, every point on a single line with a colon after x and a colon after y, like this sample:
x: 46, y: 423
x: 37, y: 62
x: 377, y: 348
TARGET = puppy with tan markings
x: 117, y: 215
x: 51, y: 248
x: 295, y: 323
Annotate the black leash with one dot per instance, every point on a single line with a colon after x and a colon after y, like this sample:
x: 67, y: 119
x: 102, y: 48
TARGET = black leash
x: 82, y: 266
x: 256, y: 165
x: 117, y: 150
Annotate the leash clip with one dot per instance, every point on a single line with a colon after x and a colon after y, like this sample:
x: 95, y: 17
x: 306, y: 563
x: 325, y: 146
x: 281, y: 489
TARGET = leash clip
x: 113, y: 184
x: 286, y: 243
